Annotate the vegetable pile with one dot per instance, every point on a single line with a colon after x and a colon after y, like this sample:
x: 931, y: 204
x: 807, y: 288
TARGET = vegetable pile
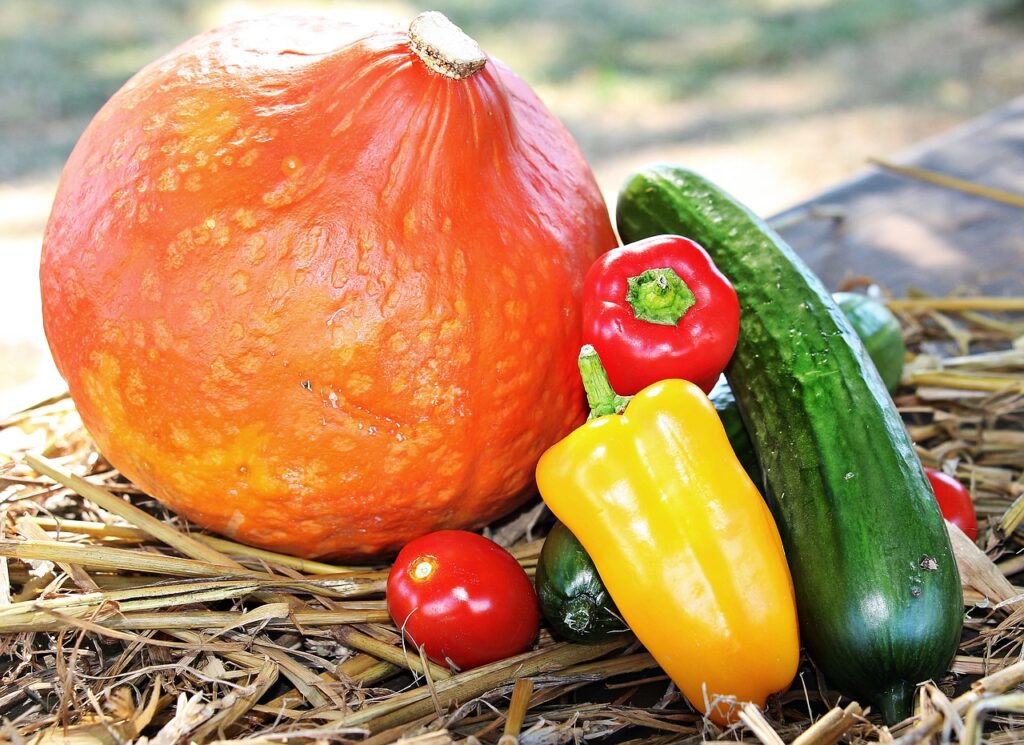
x: 352, y: 300
x: 265, y: 645
x: 879, y: 600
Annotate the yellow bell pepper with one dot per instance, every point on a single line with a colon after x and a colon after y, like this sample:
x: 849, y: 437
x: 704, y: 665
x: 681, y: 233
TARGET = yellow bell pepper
x: 681, y: 537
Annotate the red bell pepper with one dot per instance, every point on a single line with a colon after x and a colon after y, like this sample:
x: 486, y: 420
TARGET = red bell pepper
x: 658, y: 309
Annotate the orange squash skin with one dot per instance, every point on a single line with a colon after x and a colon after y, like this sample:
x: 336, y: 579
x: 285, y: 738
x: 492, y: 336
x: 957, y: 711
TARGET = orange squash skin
x: 316, y: 297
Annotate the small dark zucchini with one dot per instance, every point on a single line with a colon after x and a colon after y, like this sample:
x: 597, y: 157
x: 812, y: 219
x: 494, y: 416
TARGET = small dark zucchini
x: 725, y: 404
x: 573, y: 598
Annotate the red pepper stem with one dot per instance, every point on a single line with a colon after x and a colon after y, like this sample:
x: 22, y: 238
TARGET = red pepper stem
x: 601, y: 396
x: 659, y: 296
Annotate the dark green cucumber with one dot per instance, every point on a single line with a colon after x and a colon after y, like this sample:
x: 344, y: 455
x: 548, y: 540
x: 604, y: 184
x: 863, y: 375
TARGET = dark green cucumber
x: 572, y: 596
x: 877, y: 587
x: 882, y: 336
x: 878, y: 328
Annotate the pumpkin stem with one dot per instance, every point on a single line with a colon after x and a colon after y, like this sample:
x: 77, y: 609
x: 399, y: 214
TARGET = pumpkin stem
x: 444, y: 47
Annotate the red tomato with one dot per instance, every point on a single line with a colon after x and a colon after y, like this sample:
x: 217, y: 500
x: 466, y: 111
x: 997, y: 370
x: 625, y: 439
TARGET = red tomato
x: 954, y: 502
x: 463, y: 598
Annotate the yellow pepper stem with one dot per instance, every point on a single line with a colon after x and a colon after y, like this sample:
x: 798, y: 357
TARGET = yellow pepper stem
x: 601, y: 397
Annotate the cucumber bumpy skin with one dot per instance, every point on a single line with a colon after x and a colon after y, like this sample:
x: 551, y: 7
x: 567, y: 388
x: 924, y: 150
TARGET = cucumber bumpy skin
x: 878, y: 592
x: 879, y: 331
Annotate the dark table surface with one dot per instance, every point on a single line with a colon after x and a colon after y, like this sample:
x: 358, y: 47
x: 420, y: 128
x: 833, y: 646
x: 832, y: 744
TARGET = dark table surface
x: 904, y: 233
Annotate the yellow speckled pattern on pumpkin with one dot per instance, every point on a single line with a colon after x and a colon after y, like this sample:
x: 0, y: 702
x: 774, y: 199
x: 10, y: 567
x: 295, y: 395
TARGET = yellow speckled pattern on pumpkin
x: 316, y: 297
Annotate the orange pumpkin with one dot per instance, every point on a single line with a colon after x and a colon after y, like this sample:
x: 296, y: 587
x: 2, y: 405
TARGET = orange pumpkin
x: 316, y: 285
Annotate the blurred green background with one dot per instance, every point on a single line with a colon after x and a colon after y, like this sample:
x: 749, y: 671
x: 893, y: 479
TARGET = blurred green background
x: 775, y: 99
x: 853, y: 76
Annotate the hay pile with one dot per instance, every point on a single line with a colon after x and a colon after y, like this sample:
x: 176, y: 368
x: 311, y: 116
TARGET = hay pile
x: 119, y: 622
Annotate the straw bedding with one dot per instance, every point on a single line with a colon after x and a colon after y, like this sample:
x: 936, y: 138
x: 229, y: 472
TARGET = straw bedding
x: 119, y: 622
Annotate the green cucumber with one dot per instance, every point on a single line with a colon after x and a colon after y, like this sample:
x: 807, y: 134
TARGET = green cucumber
x: 877, y: 587
x: 878, y: 328
x: 882, y: 336
x: 572, y: 596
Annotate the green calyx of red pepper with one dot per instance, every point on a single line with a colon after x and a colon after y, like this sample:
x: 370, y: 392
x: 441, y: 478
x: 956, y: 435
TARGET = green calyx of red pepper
x: 659, y: 296
x: 660, y: 309
x: 601, y: 397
